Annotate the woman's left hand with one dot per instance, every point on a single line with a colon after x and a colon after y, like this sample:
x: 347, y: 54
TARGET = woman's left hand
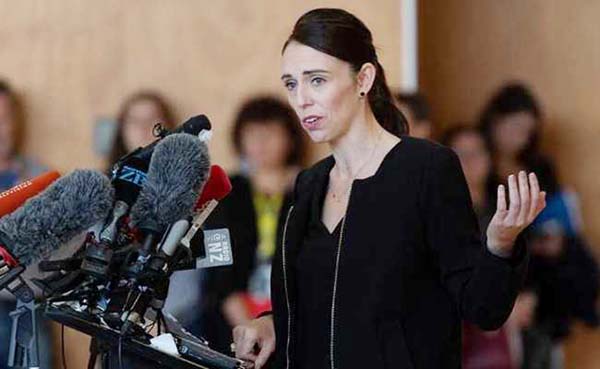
x: 526, y: 202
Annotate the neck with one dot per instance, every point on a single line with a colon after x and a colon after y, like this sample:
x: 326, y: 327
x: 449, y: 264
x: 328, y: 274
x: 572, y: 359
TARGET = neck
x: 355, y: 147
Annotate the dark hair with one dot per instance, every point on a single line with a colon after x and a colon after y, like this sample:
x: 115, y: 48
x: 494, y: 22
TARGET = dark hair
x: 119, y: 149
x: 417, y: 103
x: 456, y: 130
x: 340, y: 34
x: 512, y: 98
x: 18, y: 112
x: 271, y: 110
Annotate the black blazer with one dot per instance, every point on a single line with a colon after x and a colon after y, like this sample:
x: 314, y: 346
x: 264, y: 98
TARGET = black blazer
x: 237, y: 213
x: 411, y: 265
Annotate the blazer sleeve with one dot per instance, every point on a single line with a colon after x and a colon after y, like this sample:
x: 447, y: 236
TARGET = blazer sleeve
x: 482, y: 285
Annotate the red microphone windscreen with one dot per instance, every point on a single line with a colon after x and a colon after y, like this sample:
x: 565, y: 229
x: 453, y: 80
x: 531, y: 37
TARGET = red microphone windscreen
x: 13, y: 198
x: 216, y: 188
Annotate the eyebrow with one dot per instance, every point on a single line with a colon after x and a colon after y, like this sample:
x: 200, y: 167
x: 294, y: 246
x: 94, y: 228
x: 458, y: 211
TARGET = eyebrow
x: 307, y: 73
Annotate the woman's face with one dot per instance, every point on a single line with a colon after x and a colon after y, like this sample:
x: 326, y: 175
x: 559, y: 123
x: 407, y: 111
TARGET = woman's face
x: 473, y: 155
x: 511, y: 133
x: 265, y: 145
x: 139, y: 123
x: 322, y: 89
x: 7, y: 127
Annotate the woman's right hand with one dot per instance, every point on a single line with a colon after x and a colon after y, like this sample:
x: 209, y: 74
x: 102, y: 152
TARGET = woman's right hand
x: 255, y: 340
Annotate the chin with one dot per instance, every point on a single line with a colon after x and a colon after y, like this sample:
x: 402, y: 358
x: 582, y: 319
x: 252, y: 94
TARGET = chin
x: 319, y: 137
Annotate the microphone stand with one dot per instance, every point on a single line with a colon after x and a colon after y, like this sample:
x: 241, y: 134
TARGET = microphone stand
x: 23, y: 351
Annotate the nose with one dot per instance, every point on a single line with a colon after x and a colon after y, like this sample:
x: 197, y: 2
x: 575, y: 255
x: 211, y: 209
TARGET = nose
x: 304, y: 99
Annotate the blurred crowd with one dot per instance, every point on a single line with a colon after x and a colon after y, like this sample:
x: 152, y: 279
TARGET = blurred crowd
x: 562, y: 283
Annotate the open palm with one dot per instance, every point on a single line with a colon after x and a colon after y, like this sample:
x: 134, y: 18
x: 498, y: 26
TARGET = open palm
x: 526, y: 202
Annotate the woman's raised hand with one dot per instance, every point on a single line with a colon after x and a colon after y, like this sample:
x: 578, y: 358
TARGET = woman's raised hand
x: 526, y: 202
x: 255, y: 340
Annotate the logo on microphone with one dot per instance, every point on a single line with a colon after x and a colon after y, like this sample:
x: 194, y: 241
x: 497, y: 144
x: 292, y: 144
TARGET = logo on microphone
x: 217, y: 243
x: 132, y: 175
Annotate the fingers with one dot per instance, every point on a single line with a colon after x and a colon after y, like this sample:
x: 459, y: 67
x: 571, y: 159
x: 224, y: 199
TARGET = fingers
x: 265, y: 352
x: 524, y: 197
x: 541, y: 203
x: 244, y: 340
x: 501, y: 202
x: 536, y: 197
x: 515, y: 200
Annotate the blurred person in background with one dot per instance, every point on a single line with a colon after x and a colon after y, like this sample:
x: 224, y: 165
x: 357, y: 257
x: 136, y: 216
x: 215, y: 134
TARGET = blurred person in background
x: 516, y: 344
x: 14, y: 169
x: 561, y: 266
x: 137, y: 116
x: 14, y: 166
x: 268, y: 139
x: 417, y: 111
x: 511, y: 124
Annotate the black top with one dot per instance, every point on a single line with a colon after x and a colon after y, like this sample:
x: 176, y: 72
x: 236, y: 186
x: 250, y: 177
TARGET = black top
x: 315, y: 269
x: 411, y: 266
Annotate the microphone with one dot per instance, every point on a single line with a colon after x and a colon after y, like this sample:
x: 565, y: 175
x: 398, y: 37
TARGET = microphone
x: 217, y: 187
x: 14, y: 197
x: 130, y: 173
x: 215, y: 190
x: 178, y: 170
x: 68, y: 207
x: 210, y: 248
x: 195, y: 126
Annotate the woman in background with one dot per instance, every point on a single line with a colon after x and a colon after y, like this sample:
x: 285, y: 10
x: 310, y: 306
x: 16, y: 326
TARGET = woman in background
x: 137, y: 117
x: 14, y: 169
x: 516, y: 345
x: 561, y: 265
x: 270, y: 144
x: 14, y: 166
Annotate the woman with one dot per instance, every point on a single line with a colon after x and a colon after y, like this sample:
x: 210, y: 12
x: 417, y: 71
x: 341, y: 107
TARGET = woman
x: 14, y: 166
x: 516, y: 344
x: 137, y: 117
x: 561, y: 265
x: 511, y: 123
x: 14, y: 169
x: 469, y: 145
x: 270, y: 143
x: 381, y: 256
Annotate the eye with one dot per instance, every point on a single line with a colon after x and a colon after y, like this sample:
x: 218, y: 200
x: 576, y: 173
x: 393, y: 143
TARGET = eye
x: 290, y: 84
x: 316, y: 81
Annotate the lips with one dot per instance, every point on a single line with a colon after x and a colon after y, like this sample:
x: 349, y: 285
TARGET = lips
x: 312, y: 122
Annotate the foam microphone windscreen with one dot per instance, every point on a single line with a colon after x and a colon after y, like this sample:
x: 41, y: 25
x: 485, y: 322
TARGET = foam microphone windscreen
x: 46, y: 221
x: 12, y: 198
x: 217, y: 187
x: 178, y: 169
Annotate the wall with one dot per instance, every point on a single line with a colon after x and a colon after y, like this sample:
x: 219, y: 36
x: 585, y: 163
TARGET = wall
x: 469, y: 48
x: 75, y: 60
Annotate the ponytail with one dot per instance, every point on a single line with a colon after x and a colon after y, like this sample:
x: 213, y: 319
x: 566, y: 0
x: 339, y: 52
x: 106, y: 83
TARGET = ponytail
x: 382, y: 104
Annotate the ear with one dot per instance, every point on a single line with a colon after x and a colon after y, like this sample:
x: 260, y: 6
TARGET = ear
x: 366, y: 77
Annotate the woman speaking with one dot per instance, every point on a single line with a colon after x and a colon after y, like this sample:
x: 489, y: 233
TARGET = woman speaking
x: 381, y: 255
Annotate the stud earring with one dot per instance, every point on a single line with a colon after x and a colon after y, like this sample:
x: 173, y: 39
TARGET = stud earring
x: 362, y: 94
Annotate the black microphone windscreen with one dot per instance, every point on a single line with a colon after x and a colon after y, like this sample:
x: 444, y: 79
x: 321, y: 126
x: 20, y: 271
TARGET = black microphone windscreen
x: 68, y: 207
x: 178, y: 170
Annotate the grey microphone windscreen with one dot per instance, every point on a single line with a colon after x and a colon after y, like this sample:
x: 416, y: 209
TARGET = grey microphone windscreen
x: 178, y: 170
x: 45, y: 222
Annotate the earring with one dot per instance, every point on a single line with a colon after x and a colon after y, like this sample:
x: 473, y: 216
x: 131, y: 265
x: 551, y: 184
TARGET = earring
x: 362, y: 94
